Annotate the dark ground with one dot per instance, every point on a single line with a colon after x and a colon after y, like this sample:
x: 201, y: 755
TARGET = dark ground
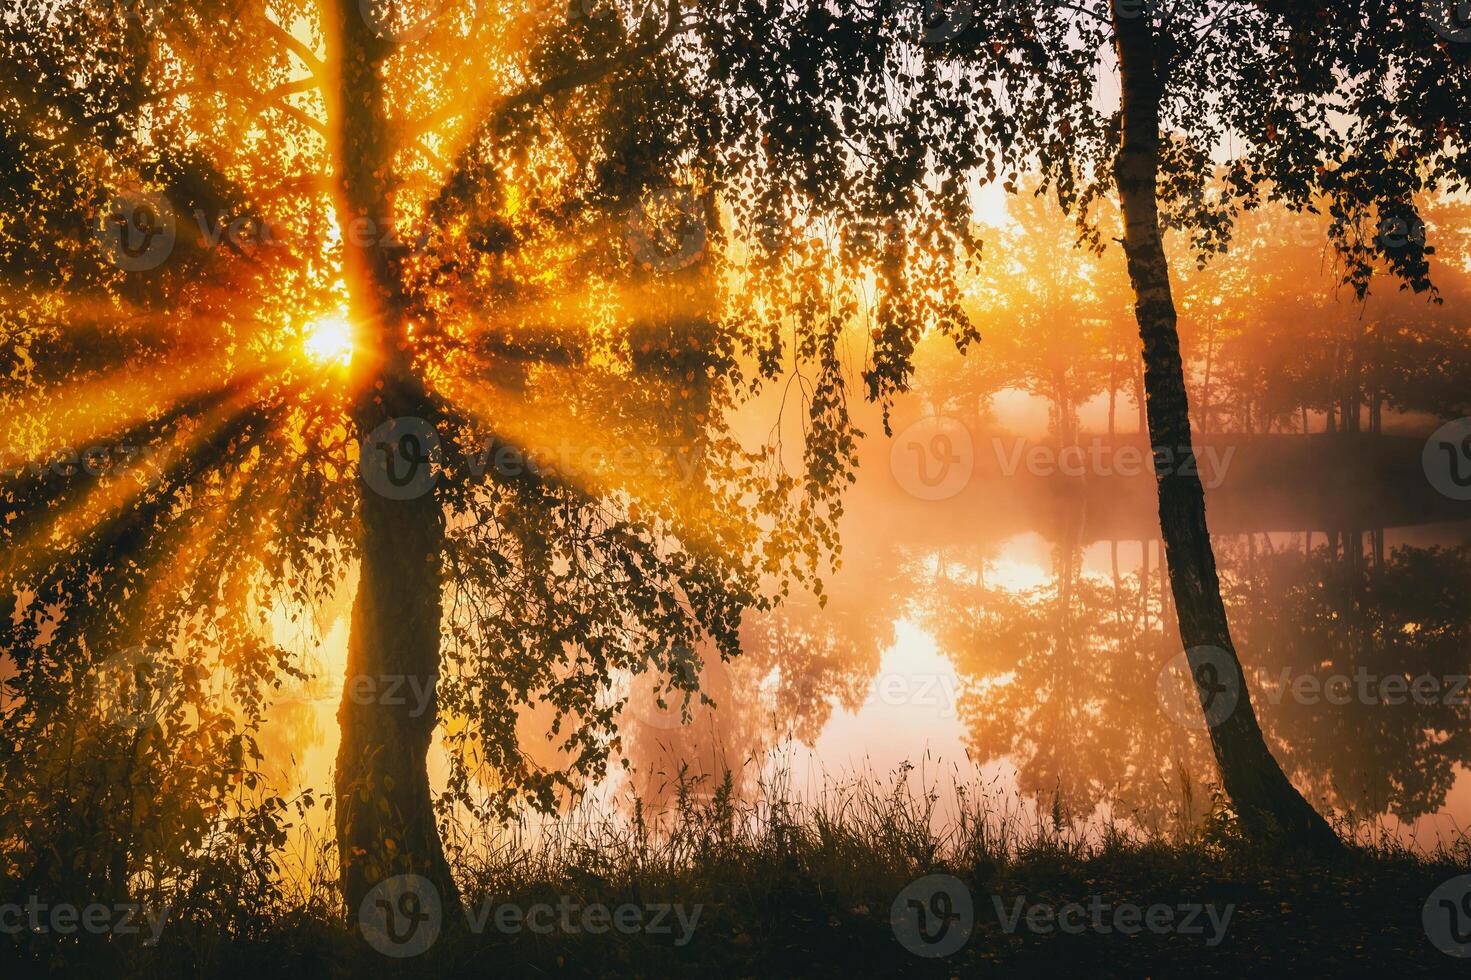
x: 805, y: 914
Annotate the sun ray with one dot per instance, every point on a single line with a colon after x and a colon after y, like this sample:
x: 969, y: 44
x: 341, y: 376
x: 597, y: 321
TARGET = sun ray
x: 584, y: 305
x: 66, y: 526
x: 635, y: 466
x: 84, y: 413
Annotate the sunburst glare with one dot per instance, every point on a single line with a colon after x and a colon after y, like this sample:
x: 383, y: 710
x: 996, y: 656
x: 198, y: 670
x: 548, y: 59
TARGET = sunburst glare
x: 329, y: 341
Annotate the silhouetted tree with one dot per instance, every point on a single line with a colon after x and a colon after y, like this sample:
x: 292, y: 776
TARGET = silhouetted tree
x: 527, y: 462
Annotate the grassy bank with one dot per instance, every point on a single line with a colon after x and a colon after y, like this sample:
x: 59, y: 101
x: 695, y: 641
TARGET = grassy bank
x: 712, y: 889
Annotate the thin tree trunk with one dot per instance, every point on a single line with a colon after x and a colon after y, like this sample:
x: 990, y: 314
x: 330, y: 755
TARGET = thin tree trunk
x: 1205, y: 394
x: 384, y: 814
x: 1139, y: 400
x: 1144, y: 580
x: 1352, y: 389
x: 1267, y: 804
x: 1113, y: 394
x: 1118, y: 587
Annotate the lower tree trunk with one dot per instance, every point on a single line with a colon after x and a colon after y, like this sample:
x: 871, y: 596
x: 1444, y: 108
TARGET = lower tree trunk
x: 1267, y: 804
x: 385, y: 815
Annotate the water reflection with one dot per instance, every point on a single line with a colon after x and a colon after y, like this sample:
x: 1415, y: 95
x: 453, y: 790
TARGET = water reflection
x: 1360, y: 652
x: 1021, y: 629
x: 1014, y: 636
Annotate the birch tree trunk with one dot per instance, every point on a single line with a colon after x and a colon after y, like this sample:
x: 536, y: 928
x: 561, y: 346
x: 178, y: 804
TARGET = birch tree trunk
x: 1268, y: 805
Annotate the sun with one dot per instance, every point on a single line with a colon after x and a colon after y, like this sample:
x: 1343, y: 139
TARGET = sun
x: 329, y: 341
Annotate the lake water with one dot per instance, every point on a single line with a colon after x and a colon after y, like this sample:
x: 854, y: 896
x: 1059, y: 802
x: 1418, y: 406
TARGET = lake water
x: 1002, y: 620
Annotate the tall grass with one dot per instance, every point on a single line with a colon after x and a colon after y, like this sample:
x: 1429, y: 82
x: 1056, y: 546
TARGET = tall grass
x: 780, y: 878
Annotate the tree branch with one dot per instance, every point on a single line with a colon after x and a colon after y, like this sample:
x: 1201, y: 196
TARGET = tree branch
x: 597, y: 70
x: 311, y: 122
x: 290, y: 42
x: 496, y: 116
x: 296, y: 87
